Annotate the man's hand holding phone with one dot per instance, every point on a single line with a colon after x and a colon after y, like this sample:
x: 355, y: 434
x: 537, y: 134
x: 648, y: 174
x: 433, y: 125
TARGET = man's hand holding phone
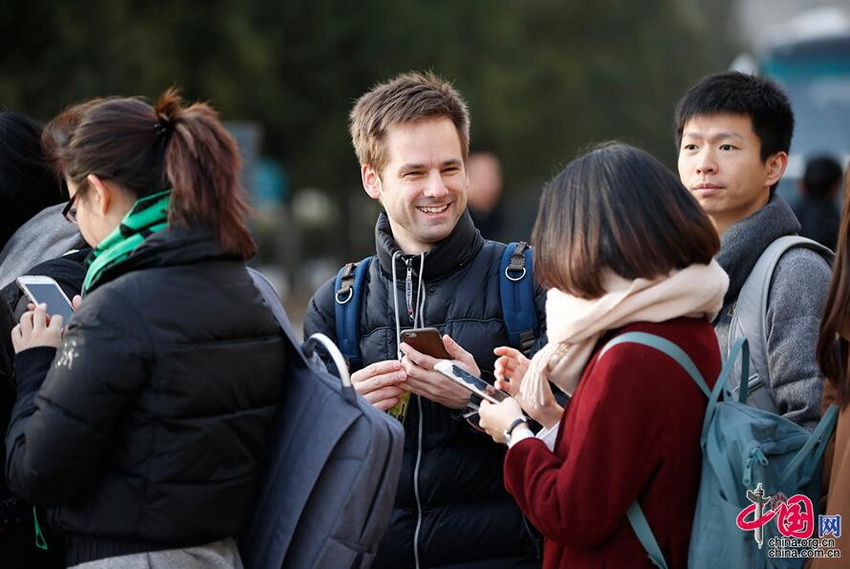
x: 380, y: 383
x: 423, y: 380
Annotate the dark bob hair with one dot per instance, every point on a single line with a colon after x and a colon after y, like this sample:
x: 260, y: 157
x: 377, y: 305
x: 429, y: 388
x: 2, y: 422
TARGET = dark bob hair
x: 619, y: 208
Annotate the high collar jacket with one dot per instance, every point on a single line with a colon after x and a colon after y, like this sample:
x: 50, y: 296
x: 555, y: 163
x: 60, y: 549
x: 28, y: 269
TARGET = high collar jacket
x: 462, y: 516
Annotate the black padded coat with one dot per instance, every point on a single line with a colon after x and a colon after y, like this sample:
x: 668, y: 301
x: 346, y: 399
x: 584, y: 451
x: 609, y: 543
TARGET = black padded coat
x: 151, y: 425
x: 452, y: 509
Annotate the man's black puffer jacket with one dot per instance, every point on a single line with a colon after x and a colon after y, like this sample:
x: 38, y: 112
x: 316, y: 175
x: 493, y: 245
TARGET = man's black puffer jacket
x: 467, y: 518
x: 150, y: 429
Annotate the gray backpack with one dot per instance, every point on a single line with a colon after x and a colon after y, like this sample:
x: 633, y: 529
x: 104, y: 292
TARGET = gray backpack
x: 749, y: 319
x: 331, y: 477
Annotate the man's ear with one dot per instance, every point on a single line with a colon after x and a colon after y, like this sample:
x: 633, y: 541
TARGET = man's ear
x: 102, y: 195
x: 371, y: 181
x: 776, y: 166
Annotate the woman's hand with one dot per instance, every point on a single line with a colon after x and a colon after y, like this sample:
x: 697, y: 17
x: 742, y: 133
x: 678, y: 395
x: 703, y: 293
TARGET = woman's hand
x: 510, y: 369
x: 37, y: 329
x: 496, y: 417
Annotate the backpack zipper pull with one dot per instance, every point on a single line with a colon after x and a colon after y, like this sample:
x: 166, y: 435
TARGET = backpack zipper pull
x: 40, y: 541
x: 754, y: 455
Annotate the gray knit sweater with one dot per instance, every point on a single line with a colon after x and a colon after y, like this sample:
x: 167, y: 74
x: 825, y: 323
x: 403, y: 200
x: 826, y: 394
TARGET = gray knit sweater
x: 795, y: 305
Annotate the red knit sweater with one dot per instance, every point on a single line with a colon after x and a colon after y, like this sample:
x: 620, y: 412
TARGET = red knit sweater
x: 630, y: 432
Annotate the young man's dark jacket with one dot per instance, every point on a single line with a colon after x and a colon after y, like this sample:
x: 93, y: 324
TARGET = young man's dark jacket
x: 150, y: 429
x: 467, y: 518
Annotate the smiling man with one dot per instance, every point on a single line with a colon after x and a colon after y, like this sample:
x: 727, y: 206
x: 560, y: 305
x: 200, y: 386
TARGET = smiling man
x: 432, y: 268
x: 734, y: 132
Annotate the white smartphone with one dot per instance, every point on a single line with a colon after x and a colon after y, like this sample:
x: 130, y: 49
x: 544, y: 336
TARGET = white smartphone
x: 40, y: 289
x: 475, y: 384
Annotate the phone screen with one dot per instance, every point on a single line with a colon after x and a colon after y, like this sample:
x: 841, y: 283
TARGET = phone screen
x: 471, y: 382
x: 51, y: 295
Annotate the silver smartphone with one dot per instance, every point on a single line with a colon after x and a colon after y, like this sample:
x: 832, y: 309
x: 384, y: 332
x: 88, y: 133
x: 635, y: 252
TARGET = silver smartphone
x: 475, y: 384
x: 40, y: 289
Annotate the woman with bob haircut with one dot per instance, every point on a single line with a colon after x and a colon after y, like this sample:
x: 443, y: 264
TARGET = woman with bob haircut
x: 621, y: 247
x: 145, y: 428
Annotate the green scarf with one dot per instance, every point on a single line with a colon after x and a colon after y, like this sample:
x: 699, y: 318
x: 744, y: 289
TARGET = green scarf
x: 147, y: 216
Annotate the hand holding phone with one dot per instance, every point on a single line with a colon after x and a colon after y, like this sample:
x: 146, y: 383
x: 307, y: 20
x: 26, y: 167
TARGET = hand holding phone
x: 474, y: 384
x: 41, y: 289
x: 427, y: 341
x: 423, y: 379
x: 36, y: 329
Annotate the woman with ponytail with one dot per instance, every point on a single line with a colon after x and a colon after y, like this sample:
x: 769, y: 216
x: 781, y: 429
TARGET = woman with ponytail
x: 142, y: 425
x: 622, y: 248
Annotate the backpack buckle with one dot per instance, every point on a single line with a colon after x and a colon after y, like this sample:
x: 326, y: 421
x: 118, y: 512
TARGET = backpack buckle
x: 517, y: 263
x: 346, y: 284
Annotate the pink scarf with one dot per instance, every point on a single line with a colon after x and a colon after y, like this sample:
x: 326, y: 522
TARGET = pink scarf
x: 574, y: 325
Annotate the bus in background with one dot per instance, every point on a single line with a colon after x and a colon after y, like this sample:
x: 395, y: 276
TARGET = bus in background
x: 814, y: 69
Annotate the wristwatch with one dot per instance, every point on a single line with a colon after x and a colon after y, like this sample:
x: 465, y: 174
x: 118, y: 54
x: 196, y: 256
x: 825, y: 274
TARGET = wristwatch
x: 516, y: 423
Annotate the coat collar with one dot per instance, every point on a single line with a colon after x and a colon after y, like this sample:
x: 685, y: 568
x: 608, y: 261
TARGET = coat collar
x: 742, y: 243
x: 444, y: 258
x: 172, y: 246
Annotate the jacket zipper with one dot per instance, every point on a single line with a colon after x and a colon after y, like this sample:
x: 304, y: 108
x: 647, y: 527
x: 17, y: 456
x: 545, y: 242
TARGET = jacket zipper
x: 531, y: 536
x: 416, y: 484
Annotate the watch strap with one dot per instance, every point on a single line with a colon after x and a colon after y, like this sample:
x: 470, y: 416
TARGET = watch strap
x: 516, y: 423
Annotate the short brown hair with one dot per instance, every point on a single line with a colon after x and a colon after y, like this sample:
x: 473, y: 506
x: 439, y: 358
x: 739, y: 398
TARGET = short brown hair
x: 408, y: 98
x: 619, y: 208
x: 149, y: 148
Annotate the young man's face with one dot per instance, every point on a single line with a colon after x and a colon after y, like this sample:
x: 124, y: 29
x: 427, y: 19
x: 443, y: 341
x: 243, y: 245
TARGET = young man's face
x: 423, y: 185
x: 720, y: 164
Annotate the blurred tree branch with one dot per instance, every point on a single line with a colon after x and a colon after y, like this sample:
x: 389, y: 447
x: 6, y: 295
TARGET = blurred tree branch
x: 544, y: 78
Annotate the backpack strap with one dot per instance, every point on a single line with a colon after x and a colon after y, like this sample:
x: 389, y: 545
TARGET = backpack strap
x: 749, y: 319
x: 665, y: 346
x: 635, y: 514
x: 516, y: 290
x: 645, y: 535
x: 813, y: 449
x: 348, y: 297
x: 272, y: 300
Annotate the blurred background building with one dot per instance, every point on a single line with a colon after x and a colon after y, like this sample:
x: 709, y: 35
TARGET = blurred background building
x: 805, y: 46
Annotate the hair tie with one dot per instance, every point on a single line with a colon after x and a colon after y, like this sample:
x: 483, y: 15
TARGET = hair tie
x: 163, y: 127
